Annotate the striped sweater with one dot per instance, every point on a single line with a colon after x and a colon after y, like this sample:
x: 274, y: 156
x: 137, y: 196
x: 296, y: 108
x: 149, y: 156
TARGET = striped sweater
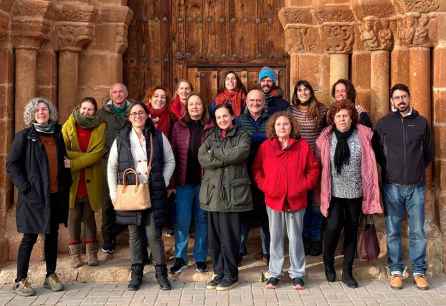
x: 309, y: 128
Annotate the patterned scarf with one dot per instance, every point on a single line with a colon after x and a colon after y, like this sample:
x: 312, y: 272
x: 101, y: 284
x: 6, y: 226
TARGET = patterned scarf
x: 45, y: 128
x: 85, y: 122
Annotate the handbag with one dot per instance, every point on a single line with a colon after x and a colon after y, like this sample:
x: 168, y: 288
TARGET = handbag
x: 134, y: 197
x: 368, y: 246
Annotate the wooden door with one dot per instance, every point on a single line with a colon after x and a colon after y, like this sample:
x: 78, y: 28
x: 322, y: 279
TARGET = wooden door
x: 201, y: 39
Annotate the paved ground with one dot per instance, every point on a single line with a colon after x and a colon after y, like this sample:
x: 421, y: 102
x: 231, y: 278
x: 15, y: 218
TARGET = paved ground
x: 316, y: 293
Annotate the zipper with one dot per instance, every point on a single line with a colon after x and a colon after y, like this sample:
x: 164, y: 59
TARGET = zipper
x: 403, y: 128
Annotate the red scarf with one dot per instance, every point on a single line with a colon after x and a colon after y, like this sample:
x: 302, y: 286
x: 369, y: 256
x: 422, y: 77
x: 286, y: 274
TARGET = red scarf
x: 161, y: 118
x: 235, y: 98
x: 177, y: 108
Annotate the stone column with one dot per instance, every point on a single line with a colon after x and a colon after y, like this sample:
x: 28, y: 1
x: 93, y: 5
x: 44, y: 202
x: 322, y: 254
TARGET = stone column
x: 339, y: 66
x: 25, y: 74
x: 378, y: 39
x: 71, y: 39
x: 439, y: 127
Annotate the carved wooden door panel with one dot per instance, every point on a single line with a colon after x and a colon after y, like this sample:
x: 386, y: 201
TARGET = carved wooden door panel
x: 200, y: 40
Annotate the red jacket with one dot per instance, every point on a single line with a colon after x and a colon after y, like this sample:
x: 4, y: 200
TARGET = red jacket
x: 180, y: 141
x: 286, y: 175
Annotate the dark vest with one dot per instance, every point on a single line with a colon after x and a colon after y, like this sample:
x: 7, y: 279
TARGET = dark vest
x: 156, y: 179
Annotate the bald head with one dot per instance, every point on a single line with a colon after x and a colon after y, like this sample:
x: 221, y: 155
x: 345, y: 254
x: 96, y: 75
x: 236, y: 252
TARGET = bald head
x: 118, y: 94
x: 255, y: 102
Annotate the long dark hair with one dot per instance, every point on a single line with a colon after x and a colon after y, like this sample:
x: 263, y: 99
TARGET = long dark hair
x: 239, y: 86
x: 351, y: 91
x: 314, y: 103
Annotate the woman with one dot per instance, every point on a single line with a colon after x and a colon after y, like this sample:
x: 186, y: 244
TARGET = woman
x: 224, y: 193
x: 156, y: 102
x: 310, y: 115
x: 187, y: 136
x: 349, y: 183
x: 344, y: 90
x: 136, y: 146
x: 285, y: 169
x: 84, y: 137
x: 233, y: 92
x: 36, y: 165
x: 177, y: 105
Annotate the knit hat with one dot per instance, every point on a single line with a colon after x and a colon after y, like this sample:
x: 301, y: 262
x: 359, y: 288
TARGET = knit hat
x: 267, y: 72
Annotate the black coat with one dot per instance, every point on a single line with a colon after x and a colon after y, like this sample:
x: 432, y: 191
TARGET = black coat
x: 27, y: 166
x: 158, y: 196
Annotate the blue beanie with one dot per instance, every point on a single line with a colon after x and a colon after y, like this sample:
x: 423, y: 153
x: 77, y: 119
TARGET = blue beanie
x: 267, y: 72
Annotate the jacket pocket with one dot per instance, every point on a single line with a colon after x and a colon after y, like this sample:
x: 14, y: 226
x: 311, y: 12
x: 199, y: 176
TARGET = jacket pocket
x: 239, y: 192
x: 206, y: 193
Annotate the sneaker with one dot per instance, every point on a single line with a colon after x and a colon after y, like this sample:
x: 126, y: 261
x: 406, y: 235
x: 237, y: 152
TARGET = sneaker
x: 23, y: 288
x: 272, y: 283
x: 215, y: 280
x: 53, y: 283
x: 178, y: 266
x: 421, y: 281
x: 298, y: 283
x: 226, y: 284
x: 396, y: 281
x: 107, y: 250
x: 201, y: 267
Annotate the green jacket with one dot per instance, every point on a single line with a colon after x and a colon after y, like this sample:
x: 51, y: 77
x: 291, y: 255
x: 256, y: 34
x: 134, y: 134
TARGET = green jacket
x: 225, y: 186
x: 91, y: 161
x: 114, y: 123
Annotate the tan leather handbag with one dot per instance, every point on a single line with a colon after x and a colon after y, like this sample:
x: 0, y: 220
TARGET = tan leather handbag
x: 134, y: 197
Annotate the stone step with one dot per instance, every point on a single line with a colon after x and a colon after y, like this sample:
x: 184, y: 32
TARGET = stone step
x: 116, y: 270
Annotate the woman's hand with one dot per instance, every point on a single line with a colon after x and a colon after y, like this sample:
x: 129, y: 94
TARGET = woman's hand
x: 67, y: 162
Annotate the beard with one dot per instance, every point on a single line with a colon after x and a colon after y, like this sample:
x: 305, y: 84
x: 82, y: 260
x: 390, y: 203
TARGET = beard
x: 266, y: 89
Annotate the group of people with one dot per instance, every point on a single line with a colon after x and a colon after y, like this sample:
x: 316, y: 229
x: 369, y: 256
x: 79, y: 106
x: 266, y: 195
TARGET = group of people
x: 303, y: 171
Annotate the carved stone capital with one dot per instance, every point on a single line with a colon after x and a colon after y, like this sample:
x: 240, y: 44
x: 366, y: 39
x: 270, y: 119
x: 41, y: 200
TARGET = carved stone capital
x: 37, y: 8
x: 75, y: 12
x: 376, y: 34
x: 338, y: 38
x: 420, y: 6
x: 292, y: 15
x: 29, y: 34
x: 334, y: 14
x: 73, y: 36
x: 299, y: 39
x: 413, y: 30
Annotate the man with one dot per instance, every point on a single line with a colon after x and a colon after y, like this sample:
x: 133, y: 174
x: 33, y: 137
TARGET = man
x: 114, y: 113
x: 253, y: 121
x: 404, y: 151
x: 273, y: 94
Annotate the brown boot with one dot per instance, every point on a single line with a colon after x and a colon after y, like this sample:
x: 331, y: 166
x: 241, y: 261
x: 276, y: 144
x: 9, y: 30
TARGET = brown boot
x: 75, y: 255
x: 92, y: 253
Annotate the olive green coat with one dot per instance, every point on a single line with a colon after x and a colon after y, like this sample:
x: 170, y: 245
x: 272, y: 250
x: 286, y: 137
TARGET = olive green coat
x: 91, y: 161
x: 225, y: 186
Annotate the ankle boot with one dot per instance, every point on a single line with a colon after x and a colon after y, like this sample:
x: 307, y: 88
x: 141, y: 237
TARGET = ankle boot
x: 137, y: 271
x: 75, y: 255
x: 330, y: 271
x: 161, y: 276
x: 92, y: 254
x: 348, y: 279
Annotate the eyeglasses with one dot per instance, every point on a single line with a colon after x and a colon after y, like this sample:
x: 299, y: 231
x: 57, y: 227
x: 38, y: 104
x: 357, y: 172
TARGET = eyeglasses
x: 134, y: 114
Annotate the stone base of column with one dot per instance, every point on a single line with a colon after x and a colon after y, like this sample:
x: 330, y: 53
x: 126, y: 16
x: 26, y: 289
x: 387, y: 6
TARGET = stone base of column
x: 4, y: 251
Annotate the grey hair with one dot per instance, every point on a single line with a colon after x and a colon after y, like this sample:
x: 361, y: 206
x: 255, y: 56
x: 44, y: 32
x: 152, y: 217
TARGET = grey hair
x: 30, y: 110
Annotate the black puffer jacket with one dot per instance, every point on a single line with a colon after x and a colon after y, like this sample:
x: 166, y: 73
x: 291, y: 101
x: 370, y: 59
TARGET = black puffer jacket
x: 156, y: 180
x: 27, y: 166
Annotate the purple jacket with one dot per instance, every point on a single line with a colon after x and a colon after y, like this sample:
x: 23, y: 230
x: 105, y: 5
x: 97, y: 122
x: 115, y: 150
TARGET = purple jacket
x: 371, y: 196
x: 180, y: 141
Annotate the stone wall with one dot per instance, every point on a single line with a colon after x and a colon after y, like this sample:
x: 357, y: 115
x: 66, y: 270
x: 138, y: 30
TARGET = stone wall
x: 377, y: 43
x: 59, y: 49
x: 65, y: 50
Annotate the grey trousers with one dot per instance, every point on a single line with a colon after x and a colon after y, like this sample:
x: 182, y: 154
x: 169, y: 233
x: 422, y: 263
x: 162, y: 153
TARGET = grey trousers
x: 154, y: 238
x: 292, y: 222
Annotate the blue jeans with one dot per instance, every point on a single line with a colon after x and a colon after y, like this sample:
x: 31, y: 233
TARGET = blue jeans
x: 397, y: 199
x: 188, y: 207
x: 312, y: 220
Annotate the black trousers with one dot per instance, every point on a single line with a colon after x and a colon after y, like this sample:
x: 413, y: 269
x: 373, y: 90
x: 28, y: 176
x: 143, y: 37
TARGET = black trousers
x: 110, y: 229
x: 224, y: 243
x: 343, y: 213
x: 50, y: 247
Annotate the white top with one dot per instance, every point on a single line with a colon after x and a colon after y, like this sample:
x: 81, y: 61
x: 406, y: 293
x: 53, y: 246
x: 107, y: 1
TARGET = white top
x: 140, y: 158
